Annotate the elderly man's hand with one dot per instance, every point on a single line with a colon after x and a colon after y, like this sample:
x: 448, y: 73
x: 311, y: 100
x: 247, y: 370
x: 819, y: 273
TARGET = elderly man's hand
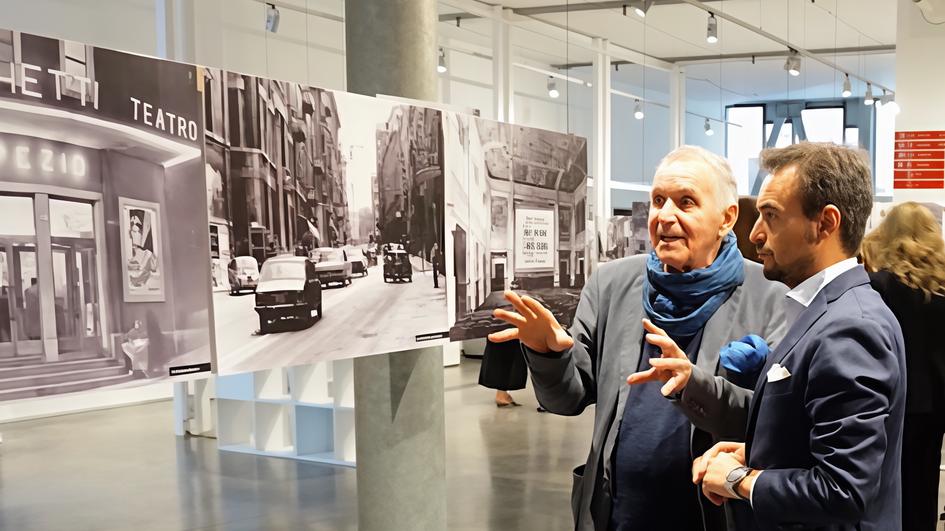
x: 535, y: 326
x: 674, y: 367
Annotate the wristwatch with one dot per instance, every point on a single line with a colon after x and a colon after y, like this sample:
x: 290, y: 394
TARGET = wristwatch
x: 734, y: 478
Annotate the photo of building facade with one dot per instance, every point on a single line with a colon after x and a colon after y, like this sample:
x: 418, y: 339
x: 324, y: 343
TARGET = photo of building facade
x: 525, y: 227
x: 100, y: 163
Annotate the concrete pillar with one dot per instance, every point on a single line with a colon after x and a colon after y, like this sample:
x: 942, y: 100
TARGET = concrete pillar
x: 920, y: 76
x: 399, y: 420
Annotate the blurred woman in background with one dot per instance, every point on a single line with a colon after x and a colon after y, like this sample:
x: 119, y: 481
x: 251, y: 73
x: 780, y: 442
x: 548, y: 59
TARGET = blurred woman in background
x: 905, y: 256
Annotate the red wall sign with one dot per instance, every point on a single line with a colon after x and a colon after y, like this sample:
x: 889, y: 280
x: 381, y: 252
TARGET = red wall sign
x: 919, y: 160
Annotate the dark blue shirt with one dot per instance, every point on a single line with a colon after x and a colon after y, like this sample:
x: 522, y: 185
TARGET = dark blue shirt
x: 653, y: 487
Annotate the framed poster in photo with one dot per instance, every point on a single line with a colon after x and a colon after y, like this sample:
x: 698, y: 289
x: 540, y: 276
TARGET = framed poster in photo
x: 142, y: 259
x: 534, y: 239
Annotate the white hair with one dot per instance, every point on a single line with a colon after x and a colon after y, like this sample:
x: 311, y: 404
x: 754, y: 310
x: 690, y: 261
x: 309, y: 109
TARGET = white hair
x: 697, y: 162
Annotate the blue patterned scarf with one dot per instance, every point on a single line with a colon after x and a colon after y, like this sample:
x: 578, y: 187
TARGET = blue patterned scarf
x: 682, y: 303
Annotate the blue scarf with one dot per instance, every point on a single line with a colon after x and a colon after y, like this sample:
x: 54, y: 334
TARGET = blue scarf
x: 744, y: 359
x: 682, y: 303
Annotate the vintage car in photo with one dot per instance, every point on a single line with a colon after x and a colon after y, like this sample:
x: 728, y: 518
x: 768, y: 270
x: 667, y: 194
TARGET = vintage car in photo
x: 332, y: 266
x: 359, y: 262
x: 243, y: 272
x: 397, y: 266
x: 288, y: 290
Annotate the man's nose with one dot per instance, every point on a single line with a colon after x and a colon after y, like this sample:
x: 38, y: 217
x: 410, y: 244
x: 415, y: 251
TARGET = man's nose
x: 667, y: 212
x: 756, y: 235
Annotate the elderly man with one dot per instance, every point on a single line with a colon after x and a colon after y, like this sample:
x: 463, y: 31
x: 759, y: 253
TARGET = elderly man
x: 824, y: 424
x: 695, y: 285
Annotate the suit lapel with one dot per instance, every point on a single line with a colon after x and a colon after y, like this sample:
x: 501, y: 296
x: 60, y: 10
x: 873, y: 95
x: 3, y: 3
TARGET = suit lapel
x: 631, y: 342
x: 718, y: 332
x: 805, y: 320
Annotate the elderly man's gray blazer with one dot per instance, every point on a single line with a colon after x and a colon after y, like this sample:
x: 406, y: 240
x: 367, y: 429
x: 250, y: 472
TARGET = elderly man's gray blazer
x: 608, y: 340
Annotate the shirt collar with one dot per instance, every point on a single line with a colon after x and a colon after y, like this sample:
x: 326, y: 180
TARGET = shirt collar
x: 805, y: 292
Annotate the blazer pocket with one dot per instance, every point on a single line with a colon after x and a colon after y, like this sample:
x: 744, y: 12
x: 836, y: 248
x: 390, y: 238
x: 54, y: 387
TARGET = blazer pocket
x: 577, y: 484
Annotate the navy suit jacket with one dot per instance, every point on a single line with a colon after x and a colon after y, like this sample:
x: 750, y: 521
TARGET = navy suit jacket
x: 829, y: 437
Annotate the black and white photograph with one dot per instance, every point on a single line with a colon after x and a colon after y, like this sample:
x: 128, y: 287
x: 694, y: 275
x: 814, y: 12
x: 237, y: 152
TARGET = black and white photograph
x: 101, y: 164
x: 326, y: 223
x: 627, y: 234
x: 524, y: 227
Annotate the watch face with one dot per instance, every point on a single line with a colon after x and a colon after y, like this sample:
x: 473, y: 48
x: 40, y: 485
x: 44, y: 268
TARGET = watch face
x: 736, y: 474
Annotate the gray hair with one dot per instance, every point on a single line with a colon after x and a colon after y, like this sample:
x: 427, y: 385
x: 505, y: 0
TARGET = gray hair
x: 681, y: 161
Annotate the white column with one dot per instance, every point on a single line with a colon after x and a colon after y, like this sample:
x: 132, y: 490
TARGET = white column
x: 677, y: 107
x: 600, y: 109
x: 501, y: 65
x: 45, y: 278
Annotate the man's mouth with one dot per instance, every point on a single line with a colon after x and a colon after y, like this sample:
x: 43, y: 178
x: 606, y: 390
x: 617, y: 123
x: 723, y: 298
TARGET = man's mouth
x: 669, y: 239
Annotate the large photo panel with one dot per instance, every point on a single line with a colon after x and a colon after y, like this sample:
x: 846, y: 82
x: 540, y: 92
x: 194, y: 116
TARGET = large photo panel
x: 326, y: 223
x: 103, y: 241
x: 526, y: 227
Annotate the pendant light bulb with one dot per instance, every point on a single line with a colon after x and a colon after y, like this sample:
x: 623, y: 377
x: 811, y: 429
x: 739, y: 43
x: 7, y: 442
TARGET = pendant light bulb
x: 712, y: 30
x: 847, y: 89
x: 868, y: 99
x: 638, y: 111
x: 552, y: 87
x: 708, y: 128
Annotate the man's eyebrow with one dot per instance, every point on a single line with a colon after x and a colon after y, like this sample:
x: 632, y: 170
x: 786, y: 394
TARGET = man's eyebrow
x: 769, y: 205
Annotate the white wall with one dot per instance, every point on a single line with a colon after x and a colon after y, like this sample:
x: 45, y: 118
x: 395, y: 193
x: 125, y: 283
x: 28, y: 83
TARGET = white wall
x: 121, y: 24
x: 920, y: 76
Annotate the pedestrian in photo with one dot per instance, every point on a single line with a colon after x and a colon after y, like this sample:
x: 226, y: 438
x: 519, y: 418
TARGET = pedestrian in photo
x: 905, y: 257
x: 824, y: 423
x: 697, y: 286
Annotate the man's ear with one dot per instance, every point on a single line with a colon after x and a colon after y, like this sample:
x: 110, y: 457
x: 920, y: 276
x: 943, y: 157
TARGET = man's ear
x: 729, y: 217
x: 830, y: 218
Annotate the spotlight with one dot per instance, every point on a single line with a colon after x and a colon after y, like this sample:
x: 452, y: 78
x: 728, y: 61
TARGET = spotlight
x: 553, y: 87
x: 272, y: 18
x: 641, y: 7
x: 847, y: 91
x: 712, y: 30
x: 638, y: 111
x: 441, y: 62
x: 708, y: 128
x: 793, y: 64
x: 868, y: 99
x: 888, y: 101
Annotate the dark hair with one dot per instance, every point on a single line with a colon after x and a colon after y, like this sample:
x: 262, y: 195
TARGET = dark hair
x: 829, y: 174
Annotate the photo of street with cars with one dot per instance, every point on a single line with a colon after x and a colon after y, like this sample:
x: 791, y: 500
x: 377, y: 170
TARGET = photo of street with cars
x: 326, y: 223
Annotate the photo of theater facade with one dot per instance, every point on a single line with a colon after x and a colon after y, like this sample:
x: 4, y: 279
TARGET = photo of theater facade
x: 101, y: 169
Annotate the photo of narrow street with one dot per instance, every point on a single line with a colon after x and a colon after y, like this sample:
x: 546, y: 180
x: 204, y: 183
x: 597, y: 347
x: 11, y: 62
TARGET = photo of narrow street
x: 364, y: 317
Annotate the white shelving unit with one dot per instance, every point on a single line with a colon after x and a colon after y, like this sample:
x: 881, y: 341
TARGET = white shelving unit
x: 304, y: 413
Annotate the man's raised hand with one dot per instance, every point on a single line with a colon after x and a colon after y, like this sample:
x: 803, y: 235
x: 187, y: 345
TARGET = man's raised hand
x: 535, y: 326
x: 674, y: 367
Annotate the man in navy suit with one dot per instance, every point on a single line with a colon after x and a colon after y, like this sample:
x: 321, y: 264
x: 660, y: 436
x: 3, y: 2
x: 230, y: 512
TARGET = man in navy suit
x: 823, y: 427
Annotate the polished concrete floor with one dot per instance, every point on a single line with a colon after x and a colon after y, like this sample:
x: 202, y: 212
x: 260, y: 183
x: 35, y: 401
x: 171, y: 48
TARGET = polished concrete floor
x: 123, y: 469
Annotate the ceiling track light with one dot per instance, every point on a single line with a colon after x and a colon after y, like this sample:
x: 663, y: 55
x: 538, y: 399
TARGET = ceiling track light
x: 712, y: 29
x: 641, y: 7
x: 868, y: 99
x: 847, y: 89
x: 272, y: 18
x: 793, y: 63
x: 441, y: 62
x: 638, y: 110
x: 708, y: 128
x: 552, y: 87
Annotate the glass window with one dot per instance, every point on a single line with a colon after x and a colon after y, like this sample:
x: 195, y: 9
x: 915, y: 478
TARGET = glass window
x: 6, y: 48
x: 744, y: 142
x: 785, y: 135
x: 851, y: 136
x: 70, y: 219
x: 17, y: 218
x: 885, y: 145
x: 823, y: 125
